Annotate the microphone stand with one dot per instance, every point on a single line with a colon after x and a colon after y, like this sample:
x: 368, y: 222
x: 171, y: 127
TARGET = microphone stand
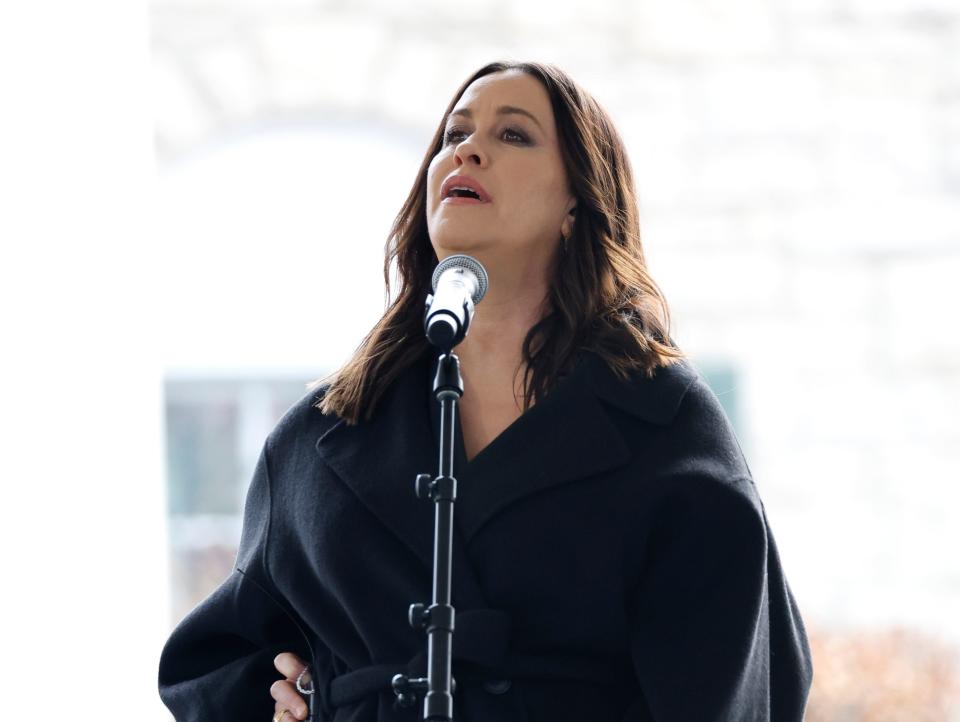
x: 459, y: 282
x: 438, y: 618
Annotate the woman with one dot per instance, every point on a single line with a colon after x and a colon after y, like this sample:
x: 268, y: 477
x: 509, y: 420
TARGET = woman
x: 612, y: 560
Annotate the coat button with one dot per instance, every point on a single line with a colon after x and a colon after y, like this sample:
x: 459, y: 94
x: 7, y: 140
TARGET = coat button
x: 497, y: 686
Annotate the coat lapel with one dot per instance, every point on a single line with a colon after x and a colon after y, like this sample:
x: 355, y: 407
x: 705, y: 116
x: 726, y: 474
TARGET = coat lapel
x: 564, y: 437
x: 379, y: 461
x: 567, y: 436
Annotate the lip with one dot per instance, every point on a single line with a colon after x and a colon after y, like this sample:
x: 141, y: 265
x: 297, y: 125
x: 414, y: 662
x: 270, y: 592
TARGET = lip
x: 463, y: 181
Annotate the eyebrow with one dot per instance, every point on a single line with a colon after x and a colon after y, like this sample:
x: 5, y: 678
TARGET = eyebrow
x: 502, y: 110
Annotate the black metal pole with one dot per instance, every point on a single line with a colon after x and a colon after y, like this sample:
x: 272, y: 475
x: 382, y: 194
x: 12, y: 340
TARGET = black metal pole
x: 438, y: 619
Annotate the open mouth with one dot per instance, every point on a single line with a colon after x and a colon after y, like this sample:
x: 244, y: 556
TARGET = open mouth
x: 463, y: 193
x: 463, y: 189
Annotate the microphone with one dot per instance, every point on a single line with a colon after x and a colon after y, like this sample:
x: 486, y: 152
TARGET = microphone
x: 459, y: 282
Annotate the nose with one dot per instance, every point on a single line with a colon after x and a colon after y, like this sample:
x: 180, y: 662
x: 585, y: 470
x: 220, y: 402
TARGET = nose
x: 469, y: 151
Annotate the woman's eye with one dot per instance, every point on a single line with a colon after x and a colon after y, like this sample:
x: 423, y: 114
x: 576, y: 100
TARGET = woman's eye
x: 516, y: 134
x: 513, y: 135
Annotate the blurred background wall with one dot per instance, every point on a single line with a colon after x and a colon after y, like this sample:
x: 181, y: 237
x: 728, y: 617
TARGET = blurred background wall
x: 798, y: 173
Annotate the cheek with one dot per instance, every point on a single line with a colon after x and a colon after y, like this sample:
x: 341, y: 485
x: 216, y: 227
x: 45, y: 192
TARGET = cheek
x: 539, y: 179
x: 431, y: 177
x: 434, y: 178
x: 537, y: 204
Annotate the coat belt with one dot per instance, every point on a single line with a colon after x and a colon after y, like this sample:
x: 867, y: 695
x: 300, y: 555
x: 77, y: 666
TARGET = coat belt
x: 481, y: 637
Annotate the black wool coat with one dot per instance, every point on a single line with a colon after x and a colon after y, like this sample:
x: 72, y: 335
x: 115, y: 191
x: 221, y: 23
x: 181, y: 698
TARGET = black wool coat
x: 612, y: 562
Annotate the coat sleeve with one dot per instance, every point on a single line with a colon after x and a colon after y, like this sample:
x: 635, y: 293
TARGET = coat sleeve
x: 715, y: 633
x: 218, y: 662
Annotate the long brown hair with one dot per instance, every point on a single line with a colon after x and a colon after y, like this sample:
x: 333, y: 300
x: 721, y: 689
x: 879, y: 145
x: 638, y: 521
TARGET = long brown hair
x: 601, y: 297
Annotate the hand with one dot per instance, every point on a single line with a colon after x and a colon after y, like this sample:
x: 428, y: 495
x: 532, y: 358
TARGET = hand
x: 284, y: 691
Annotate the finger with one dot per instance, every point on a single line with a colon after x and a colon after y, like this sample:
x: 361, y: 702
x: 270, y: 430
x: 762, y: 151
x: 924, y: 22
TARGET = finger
x: 288, y: 664
x: 288, y: 717
x: 286, y: 697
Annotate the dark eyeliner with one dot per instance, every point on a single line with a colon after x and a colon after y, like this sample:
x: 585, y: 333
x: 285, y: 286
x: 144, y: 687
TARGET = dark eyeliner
x: 519, y: 133
x: 447, y: 136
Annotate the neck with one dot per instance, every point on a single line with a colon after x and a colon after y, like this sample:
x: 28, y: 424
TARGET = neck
x: 515, y: 300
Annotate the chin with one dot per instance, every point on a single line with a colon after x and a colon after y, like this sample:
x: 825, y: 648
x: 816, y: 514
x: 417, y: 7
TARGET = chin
x: 444, y: 249
x: 454, y: 239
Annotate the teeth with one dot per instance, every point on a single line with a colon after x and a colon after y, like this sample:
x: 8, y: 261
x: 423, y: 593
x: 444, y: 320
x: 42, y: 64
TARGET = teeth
x: 462, y: 188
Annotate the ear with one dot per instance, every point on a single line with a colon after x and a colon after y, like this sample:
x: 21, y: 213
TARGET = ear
x: 566, y: 225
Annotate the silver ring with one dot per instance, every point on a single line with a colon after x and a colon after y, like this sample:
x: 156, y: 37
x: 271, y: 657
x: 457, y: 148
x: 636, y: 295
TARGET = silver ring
x: 300, y: 689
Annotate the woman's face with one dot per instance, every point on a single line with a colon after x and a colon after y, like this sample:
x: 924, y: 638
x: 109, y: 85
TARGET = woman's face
x: 500, y: 135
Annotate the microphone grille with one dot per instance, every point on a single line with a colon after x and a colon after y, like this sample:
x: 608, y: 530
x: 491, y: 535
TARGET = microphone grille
x: 469, y: 263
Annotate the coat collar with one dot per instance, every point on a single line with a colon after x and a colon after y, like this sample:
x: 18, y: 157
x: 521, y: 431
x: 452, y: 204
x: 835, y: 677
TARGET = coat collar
x: 567, y: 436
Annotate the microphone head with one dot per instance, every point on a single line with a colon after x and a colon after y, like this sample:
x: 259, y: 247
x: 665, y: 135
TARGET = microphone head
x: 467, y: 263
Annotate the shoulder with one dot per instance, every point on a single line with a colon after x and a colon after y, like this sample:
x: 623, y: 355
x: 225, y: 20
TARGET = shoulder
x: 300, y: 426
x: 696, y: 436
x: 655, y: 398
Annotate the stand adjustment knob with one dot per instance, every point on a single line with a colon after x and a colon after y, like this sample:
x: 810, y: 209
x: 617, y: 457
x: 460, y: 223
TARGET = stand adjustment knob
x: 405, y: 689
x: 424, y: 486
x: 419, y: 615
